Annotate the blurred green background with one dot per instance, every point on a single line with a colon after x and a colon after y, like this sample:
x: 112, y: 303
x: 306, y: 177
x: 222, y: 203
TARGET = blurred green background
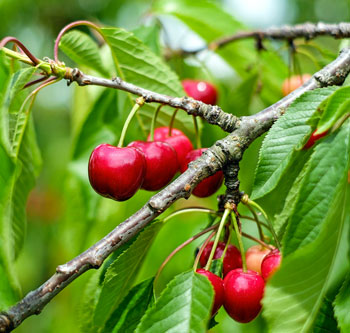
x: 52, y: 235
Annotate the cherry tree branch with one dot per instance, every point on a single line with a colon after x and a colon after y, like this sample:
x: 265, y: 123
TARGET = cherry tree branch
x: 213, y: 114
x: 224, y: 152
x: 287, y: 32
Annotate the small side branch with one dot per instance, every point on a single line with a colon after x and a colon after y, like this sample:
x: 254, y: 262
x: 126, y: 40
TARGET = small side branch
x: 211, y: 113
x: 288, y: 32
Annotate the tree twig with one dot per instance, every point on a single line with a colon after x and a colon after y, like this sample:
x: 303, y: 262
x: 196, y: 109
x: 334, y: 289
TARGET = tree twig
x: 227, y: 150
x: 211, y: 113
x: 287, y: 32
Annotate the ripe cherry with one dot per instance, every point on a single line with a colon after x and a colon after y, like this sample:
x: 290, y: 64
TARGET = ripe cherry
x: 243, y: 294
x: 116, y: 173
x: 313, y: 138
x: 178, y: 140
x: 254, y: 257
x: 161, y: 163
x: 271, y: 264
x: 207, y: 186
x: 200, y: 90
x: 218, y: 286
x: 232, y: 257
x: 294, y: 82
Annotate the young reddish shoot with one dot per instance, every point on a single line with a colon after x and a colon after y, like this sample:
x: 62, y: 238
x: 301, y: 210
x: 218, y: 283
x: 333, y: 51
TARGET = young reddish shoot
x: 313, y: 138
x: 70, y: 26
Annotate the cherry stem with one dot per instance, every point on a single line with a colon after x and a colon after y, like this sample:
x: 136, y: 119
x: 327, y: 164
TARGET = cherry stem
x: 253, y: 220
x: 254, y: 204
x: 204, y: 245
x: 240, y: 243
x: 216, y: 241
x: 190, y: 210
x: 32, y: 83
x: 139, y: 102
x: 154, y: 119
x: 9, y: 39
x: 227, y: 242
x: 180, y: 247
x: 256, y: 219
x: 196, y: 132
x: 172, y: 120
x: 270, y: 247
x: 70, y: 26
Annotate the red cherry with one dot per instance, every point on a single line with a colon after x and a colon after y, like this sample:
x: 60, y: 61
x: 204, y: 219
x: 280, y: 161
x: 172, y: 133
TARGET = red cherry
x: 218, y: 286
x: 116, y: 173
x: 207, y: 186
x: 232, y: 257
x: 178, y: 140
x: 200, y: 90
x: 254, y: 257
x: 243, y: 294
x: 161, y: 163
x: 294, y: 82
x: 271, y: 264
x: 313, y: 138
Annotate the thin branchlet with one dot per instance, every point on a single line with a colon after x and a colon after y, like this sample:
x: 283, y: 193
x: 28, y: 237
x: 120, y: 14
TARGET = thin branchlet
x: 306, y: 30
x: 213, y: 114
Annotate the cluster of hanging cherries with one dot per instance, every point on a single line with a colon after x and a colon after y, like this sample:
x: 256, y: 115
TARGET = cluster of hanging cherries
x: 241, y: 289
x: 118, y: 172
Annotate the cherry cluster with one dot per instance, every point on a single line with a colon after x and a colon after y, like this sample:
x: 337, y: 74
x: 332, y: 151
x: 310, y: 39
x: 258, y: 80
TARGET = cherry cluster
x: 118, y: 172
x: 241, y: 291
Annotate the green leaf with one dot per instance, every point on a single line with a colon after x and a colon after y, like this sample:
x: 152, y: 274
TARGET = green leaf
x: 149, y: 35
x: 325, y: 321
x: 184, y: 306
x: 342, y: 306
x: 83, y: 50
x: 337, y: 107
x: 279, y: 148
x: 294, y: 294
x: 97, y: 127
x: 25, y: 153
x: 8, y: 283
x: 13, y: 180
x: 128, y: 314
x: 121, y: 274
x: 281, y: 220
x: 136, y: 64
x: 217, y: 266
x: 28, y: 165
x: 241, y: 97
x: 323, y: 180
x: 211, y: 22
x: 90, y: 298
x: 13, y: 121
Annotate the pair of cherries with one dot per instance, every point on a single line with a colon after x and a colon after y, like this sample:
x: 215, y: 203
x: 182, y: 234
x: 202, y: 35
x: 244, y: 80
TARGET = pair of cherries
x: 240, y: 292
